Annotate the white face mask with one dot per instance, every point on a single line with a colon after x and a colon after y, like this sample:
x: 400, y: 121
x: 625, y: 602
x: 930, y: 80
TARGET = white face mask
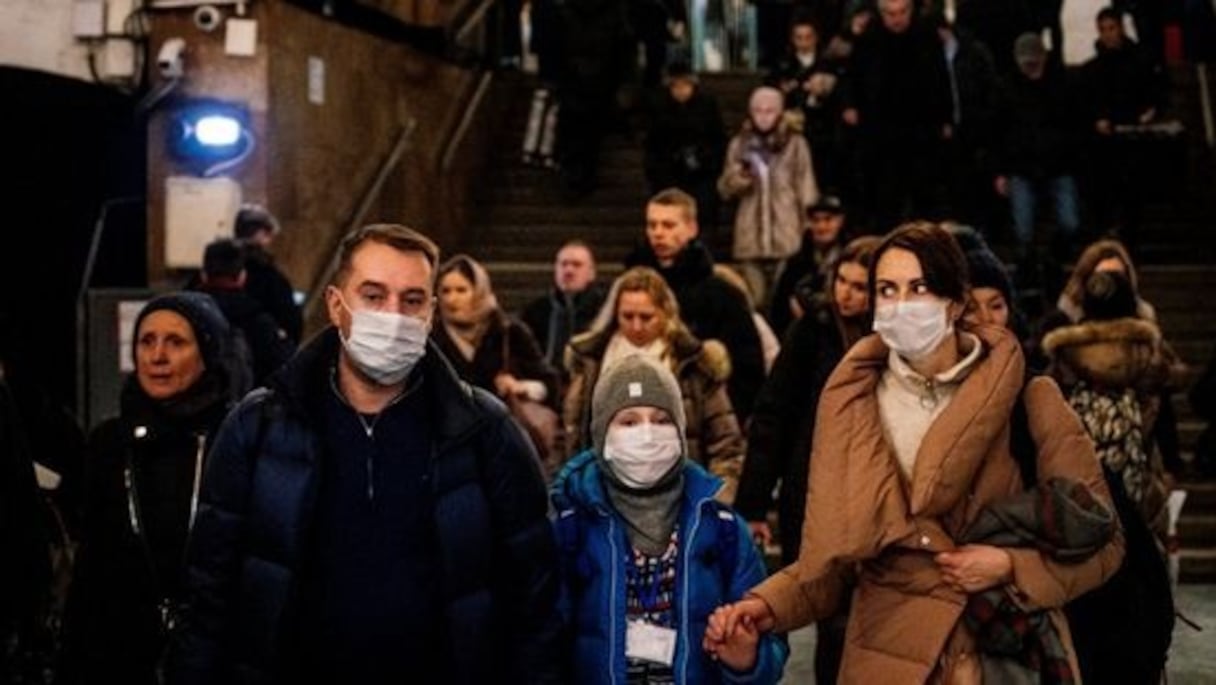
x: 640, y: 455
x: 914, y: 329
x: 385, y: 345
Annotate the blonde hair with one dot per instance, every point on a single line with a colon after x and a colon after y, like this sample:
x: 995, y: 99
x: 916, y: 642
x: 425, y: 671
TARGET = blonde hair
x: 736, y: 280
x: 674, y: 197
x: 646, y: 280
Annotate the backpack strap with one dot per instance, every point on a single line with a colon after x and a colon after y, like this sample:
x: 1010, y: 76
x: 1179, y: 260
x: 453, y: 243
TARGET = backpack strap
x: 1021, y: 442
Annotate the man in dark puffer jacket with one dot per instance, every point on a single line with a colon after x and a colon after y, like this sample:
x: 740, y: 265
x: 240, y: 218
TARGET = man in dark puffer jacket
x: 368, y: 517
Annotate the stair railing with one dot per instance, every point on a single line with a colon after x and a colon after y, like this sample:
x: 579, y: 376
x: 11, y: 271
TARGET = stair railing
x: 1205, y: 104
x: 468, y: 112
x: 312, y: 306
x: 463, y: 47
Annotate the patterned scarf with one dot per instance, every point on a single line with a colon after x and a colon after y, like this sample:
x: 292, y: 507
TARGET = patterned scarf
x: 1061, y: 519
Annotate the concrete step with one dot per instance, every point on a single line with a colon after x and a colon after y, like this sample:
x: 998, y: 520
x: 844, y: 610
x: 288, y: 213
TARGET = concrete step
x: 546, y: 192
x: 1200, y: 497
x: 1197, y: 566
x: 592, y: 216
x: 1197, y: 530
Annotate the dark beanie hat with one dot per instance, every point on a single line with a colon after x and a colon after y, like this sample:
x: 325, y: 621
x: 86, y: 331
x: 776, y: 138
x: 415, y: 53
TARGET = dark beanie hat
x: 985, y: 270
x: 635, y: 381
x: 205, y: 318
x: 1108, y: 295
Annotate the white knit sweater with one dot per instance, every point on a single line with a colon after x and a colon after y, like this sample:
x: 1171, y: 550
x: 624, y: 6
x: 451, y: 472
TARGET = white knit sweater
x: 908, y: 403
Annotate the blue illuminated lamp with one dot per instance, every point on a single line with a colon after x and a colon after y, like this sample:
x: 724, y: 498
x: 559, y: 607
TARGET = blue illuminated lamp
x: 210, y: 136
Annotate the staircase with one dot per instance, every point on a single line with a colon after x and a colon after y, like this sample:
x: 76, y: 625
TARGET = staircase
x: 523, y: 219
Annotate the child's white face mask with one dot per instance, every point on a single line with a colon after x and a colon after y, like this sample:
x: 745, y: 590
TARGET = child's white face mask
x: 641, y: 454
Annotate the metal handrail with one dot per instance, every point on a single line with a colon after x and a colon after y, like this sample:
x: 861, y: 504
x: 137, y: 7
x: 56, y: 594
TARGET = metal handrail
x: 1205, y: 104
x: 315, y: 295
x: 468, y: 111
x: 474, y: 18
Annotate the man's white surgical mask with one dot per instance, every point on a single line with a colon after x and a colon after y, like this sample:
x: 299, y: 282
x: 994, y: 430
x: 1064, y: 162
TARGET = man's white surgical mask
x: 385, y: 345
x: 913, y: 329
x: 640, y: 455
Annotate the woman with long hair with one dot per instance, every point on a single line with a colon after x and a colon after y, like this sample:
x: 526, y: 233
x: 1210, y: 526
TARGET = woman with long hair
x: 783, y: 422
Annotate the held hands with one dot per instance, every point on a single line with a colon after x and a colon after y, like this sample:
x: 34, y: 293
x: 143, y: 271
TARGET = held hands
x: 739, y: 652
x: 975, y: 568
x: 732, y: 635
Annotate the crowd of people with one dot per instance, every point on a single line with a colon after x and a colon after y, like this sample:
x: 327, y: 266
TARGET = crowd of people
x: 919, y: 110
x: 431, y: 487
x: 374, y: 504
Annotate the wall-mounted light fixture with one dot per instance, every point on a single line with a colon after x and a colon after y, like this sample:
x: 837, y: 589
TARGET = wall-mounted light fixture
x: 209, y: 136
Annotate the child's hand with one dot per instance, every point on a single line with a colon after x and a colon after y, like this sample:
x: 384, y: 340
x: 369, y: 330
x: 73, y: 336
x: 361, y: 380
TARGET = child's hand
x: 738, y: 651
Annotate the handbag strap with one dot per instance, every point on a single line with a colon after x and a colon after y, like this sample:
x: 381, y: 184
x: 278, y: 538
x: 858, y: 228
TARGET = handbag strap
x: 506, y: 346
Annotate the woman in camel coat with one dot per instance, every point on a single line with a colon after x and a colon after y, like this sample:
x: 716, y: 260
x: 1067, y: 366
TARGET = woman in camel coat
x: 912, y: 444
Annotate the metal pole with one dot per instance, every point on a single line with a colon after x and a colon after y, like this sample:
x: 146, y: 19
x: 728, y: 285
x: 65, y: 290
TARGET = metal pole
x: 82, y: 333
x: 1205, y: 103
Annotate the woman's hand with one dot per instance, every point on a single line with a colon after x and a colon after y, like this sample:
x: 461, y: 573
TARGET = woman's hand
x: 975, y: 568
x: 506, y: 385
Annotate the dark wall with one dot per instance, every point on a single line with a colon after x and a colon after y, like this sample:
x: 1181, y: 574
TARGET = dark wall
x: 68, y: 147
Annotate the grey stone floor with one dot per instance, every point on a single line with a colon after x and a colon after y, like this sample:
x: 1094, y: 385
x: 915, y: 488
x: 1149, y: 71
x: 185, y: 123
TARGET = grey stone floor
x: 1192, y: 656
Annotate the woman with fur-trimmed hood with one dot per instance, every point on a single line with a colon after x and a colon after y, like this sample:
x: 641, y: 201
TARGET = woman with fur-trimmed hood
x: 641, y: 316
x: 1113, y: 367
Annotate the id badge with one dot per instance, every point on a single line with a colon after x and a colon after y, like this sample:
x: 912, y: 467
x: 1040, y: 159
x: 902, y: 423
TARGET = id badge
x: 649, y: 642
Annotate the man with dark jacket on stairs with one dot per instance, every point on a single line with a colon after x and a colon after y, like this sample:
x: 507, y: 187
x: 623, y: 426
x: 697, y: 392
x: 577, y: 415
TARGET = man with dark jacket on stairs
x: 711, y: 307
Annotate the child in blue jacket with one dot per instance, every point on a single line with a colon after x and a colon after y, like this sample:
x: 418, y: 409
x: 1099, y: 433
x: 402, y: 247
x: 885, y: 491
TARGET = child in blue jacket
x: 647, y: 554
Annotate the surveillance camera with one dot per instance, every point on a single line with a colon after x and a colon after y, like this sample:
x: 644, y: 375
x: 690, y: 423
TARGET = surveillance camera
x: 207, y: 18
x: 169, y: 60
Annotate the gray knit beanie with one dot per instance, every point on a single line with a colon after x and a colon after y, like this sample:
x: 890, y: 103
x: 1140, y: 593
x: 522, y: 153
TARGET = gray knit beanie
x: 635, y: 381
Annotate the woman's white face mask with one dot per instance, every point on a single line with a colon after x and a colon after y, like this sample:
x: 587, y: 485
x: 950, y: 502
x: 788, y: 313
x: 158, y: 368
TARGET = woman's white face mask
x: 641, y: 454
x: 913, y: 329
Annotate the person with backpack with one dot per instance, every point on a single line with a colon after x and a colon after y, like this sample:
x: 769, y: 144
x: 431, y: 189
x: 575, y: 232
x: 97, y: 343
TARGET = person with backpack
x: 257, y: 230
x: 1122, y: 629
x: 259, y: 344
x: 1112, y: 366
x: 143, y: 473
x: 368, y: 517
x: 647, y: 552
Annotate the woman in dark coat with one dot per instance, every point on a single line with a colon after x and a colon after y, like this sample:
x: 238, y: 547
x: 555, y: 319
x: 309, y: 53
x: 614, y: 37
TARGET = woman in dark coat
x: 783, y: 424
x: 487, y: 347
x: 143, y: 476
x: 494, y: 351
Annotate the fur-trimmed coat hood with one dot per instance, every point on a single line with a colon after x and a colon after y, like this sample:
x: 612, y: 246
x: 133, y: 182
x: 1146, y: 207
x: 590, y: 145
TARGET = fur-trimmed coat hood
x: 1118, y: 353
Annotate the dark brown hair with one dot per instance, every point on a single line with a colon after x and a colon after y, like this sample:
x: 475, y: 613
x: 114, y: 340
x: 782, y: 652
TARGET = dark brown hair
x: 941, y: 259
x: 401, y: 238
